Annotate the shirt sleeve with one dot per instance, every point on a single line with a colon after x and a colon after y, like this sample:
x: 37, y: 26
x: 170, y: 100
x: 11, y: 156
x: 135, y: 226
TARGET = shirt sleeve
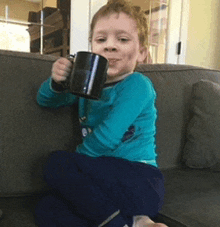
x: 133, y: 95
x: 48, y: 97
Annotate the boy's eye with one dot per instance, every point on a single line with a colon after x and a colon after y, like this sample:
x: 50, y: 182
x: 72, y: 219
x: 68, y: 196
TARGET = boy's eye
x: 123, y: 40
x: 100, y: 40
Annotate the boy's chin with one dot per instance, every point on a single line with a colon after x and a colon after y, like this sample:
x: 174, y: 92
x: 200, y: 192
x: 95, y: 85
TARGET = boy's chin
x: 115, y: 73
x: 112, y: 72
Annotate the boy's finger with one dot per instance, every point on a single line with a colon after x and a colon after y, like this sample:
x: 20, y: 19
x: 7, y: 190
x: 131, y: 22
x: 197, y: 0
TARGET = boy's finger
x: 65, y: 61
x: 60, y: 78
x: 60, y: 72
x: 64, y: 67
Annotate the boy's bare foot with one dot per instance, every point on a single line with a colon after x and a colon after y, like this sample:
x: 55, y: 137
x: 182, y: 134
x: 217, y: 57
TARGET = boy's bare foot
x: 144, y: 221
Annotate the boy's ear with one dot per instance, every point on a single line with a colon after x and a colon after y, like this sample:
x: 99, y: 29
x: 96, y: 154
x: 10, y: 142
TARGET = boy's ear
x: 142, y: 55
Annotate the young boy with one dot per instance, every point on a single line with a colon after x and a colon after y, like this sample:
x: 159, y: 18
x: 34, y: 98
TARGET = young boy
x: 113, y: 176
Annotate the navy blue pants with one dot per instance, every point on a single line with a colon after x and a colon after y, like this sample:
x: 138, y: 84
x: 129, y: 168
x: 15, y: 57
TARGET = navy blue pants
x: 86, y: 191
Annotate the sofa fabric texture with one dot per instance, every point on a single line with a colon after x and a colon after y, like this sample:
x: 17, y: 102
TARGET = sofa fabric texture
x: 192, y: 197
x: 28, y: 132
x: 173, y: 85
x: 202, y: 148
x: 187, y: 96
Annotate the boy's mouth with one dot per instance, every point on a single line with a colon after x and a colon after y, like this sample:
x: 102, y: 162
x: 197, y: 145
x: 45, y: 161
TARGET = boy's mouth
x: 112, y: 61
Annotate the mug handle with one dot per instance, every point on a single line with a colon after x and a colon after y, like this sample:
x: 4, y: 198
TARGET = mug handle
x: 71, y: 56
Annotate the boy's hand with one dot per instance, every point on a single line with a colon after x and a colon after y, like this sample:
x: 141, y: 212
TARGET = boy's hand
x: 61, y: 70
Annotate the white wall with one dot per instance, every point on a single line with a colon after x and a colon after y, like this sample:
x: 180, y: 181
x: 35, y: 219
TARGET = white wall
x: 81, y: 15
x: 177, y: 31
x: 203, y: 46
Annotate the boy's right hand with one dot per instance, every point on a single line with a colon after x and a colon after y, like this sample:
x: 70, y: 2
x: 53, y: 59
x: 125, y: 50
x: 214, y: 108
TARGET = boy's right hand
x: 61, y: 70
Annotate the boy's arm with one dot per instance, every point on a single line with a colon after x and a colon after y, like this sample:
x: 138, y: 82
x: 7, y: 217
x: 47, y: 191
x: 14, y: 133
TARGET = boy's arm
x: 47, y: 96
x: 133, y: 96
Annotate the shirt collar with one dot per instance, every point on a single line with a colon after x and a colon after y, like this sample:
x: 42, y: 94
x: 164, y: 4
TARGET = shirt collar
x: 115, y: 82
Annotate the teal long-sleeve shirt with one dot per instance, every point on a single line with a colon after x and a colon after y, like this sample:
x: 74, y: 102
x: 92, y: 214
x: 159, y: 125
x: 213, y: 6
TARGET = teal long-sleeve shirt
x: 121, y: 124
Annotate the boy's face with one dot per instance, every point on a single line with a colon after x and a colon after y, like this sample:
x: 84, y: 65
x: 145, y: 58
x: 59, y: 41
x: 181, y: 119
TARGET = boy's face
x: 116, y: 38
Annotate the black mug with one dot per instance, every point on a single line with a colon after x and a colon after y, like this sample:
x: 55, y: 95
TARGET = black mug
x: 88, y: 75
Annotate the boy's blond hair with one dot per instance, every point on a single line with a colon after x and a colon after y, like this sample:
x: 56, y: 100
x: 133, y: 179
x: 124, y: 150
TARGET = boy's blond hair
x: 125, y: 6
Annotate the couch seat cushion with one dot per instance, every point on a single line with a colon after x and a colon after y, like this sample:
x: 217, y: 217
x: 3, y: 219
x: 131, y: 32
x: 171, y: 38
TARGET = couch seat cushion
x: 192, y: 196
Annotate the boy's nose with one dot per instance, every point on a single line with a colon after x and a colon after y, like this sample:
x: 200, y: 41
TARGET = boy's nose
x: 111, y: 49
x: 110, y: 46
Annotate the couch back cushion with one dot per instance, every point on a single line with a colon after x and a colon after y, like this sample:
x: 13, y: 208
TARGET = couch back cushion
x: 28, y: 133
x: 173, y: 84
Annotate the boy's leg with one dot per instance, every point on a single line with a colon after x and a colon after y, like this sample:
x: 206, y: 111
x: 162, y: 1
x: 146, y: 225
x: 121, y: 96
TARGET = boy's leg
x: 136, y: 188
x: 63, y: 174
x: 53, y: 211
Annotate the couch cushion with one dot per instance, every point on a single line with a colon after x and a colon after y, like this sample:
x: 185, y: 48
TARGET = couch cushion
x: 173, y: 85
x: 202, y: 149
x: 19, y: 212
x: 192, y: 197
x: 28, y: 133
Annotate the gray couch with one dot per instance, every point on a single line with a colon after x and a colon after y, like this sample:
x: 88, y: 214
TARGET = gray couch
x: 29, y: 133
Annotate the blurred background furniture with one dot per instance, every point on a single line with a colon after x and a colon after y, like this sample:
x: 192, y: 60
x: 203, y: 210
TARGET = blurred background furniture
x: 56, y: 31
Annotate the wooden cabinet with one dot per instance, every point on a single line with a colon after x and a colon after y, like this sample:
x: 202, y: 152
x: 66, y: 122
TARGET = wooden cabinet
x: 56, y: 33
